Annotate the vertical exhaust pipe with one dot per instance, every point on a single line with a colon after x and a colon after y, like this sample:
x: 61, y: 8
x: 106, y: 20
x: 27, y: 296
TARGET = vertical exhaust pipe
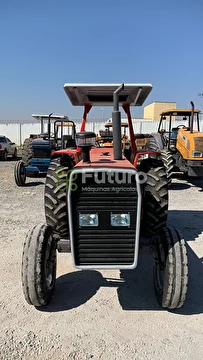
x: 192, y: 116
x: 116, y: 121
x: 49, y: 125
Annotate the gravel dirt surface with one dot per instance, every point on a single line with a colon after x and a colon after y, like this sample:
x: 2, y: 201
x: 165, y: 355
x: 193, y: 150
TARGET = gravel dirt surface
x: 97, y: 314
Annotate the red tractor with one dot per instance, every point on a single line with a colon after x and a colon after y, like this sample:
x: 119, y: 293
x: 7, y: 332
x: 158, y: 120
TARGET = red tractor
x: 104, y: 206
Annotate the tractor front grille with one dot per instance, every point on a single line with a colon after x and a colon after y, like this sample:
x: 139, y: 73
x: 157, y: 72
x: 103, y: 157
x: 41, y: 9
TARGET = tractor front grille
x: 41, y: 153
x: 104, y: 245
x: 198, y: 142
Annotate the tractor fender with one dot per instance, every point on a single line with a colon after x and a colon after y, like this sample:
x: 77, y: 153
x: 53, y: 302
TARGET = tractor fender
x: 158, y: 139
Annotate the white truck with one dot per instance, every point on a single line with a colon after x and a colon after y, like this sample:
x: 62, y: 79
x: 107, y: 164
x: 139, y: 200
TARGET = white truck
x: 7, y: 147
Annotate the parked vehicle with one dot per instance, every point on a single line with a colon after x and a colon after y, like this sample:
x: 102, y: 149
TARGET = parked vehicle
x: 37, y: 150
x: 181, y: 146
x: 7, y: 147
x: 106, y: 208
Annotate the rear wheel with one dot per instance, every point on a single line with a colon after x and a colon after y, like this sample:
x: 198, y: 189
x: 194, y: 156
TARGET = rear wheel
x: 167, y: 159
x: 151, y: 144
x: 170, y: 269
x: 3, y: 155
x: 155, y: 196
x: 15, y: 154
x: 39, y: 265
x: 20, y: 173
x: 27, y: 152
x: 55, y: 197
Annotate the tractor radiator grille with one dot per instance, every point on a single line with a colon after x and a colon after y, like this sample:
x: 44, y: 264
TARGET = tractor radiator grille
x: 41, y: 153
x: 198, y: 142
x: 104, y: 244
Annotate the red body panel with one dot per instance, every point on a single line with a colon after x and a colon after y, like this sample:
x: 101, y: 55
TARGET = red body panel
x: 74, y: 152
x: 98, y: 158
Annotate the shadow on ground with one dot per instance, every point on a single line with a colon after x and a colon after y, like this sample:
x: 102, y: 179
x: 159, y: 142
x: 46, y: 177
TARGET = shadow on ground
x: 33, y: 183
x: 11, y: 158
x: 186, y: 184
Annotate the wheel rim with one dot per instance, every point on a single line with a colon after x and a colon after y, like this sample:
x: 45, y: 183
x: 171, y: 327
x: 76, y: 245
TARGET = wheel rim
x: 159, y: 267
x: 50, y: 263
x: 22, y: 173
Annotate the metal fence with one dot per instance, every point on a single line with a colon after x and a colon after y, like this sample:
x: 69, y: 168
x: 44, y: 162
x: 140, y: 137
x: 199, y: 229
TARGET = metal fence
x: 18, y: 131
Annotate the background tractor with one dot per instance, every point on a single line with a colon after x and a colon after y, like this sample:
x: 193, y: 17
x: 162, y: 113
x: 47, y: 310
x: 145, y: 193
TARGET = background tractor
x: 105, y: 208
x: 46, y: 133
x: 37, y: 151
x: 105, y: 137
x: 181, y: 146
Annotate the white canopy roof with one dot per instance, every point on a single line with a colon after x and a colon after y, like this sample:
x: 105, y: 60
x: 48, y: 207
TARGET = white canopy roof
x: 102, y: 94
x: 52, y: 117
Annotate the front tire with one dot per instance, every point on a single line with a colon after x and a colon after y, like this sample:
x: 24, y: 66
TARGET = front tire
x: 170, y: 269
x: 20, y: 173
x: 39, y: 265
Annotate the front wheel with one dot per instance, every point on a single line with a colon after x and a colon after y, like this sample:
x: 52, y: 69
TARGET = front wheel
x: 39, y: 265
x: 170, y: 269
x: 15, y: 154
x: 20, y: 173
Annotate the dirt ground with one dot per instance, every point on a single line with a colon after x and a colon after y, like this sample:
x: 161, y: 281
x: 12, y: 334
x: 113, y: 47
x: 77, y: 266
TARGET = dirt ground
x: 97, y: 314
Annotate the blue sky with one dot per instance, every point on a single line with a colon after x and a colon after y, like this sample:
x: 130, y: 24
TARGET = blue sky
x: 46, y: 43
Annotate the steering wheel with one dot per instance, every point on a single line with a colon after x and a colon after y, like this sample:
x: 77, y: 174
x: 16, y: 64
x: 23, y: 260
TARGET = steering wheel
x: 43, y: 135
x: 181, y: 126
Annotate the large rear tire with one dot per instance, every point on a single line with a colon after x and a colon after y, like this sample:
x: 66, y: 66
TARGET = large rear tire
x: 55, y: 197
x: 152, y: 145
x: 20, y: 173
x: 170, y: 269
x: 27, y: 152
x: 39, y: 265
x: 155, y: 196
x: 167, y: 159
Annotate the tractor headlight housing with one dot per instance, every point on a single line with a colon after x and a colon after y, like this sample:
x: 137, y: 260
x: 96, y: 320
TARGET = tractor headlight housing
x: 196, y: 153
x: 120, y: 219
x: 88, y: 219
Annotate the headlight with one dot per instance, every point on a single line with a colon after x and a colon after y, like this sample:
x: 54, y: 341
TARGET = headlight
x: 88, y: 220
x: 120, y: 219
x: 196, y: 153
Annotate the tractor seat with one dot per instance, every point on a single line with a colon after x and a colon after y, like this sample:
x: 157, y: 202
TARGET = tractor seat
x: 69, y: 141
x: 127, y: 153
